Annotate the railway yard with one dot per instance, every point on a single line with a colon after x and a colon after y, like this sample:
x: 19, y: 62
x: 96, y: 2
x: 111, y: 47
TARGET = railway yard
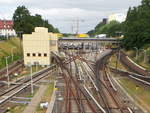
x: 86, y: 82
x: 74, y: 56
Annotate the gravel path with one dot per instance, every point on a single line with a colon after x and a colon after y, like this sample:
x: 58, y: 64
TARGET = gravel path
x: 31, y: 108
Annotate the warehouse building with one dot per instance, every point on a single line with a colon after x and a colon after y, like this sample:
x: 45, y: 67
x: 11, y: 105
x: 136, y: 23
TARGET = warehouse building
x: 37, y: 47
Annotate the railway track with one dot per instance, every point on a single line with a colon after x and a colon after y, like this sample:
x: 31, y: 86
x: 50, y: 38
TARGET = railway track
x: 105, y: 94
x: 79, y: 88
x: 140, y: 78
x: 12, y: 68
x: 108, y: 93
x: 130, y: 65
x: 6, y: 95
x: 106, y: 99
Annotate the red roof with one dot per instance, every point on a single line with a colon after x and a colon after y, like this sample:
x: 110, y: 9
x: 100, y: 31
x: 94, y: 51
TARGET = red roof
x: 6, y: 24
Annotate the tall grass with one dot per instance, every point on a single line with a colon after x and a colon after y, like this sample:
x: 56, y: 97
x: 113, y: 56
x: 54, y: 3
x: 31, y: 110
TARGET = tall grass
x: 6, y: 50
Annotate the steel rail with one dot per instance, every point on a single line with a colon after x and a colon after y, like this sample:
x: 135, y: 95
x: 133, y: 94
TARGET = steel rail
x: 76, y: 85
x: 19, y: 88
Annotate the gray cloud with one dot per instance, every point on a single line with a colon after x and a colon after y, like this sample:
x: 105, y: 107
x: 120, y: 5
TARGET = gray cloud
x: 61, y: 12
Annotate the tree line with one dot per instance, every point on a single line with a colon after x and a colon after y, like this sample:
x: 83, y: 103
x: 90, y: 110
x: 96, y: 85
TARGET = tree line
x: 112, y: 29
x: 136, y: 27
x: 25, y: 22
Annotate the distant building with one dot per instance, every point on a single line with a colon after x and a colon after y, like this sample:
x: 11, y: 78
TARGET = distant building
x: 117, y: 17
x: 6, y: 28
x: 105, y: 20
x: 37, y: 47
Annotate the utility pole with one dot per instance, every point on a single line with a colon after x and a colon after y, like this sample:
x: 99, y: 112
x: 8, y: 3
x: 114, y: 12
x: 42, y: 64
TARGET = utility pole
x: 118, y: 55
x: 8, y: 79
x: 31, y: 79
x: 78, y: 24
x: 75, y: 25
x: 137, y: 52
x: 72, y: 28
x: 20, y: 36
x: 12, y: 53
x: 1, y: 54
x: 145, y: 55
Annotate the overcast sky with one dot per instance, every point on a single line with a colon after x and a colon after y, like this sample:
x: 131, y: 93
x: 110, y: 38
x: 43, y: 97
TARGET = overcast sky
x: 61, y: 13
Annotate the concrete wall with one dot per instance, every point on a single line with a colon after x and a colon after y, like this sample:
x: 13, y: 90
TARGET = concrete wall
x: 53, y: 42
x: 7, y: 32
x: 36, y: 47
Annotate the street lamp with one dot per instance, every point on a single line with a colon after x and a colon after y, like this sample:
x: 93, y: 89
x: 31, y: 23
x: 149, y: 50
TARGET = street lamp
x: 145, y: 56
x: 137, y: 51
x: 12, y: 53
x: 8, y: 79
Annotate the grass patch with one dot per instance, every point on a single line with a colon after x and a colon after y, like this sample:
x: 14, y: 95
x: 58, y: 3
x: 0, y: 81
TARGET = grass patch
x: 138, y: 92
x: 26, y: 72
x: 6, y: 50
x: 7, y: 45
x: 140, y: 60
x: 112, y: 63
x: 17, y: 109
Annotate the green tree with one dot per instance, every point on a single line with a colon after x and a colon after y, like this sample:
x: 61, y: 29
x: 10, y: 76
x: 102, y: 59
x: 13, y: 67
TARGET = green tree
x: 136, y: 28
x: 96, y: 29
x: 91, y: 33
x: 22, y: 20
x: 25, y: 22
x: 111, y: 29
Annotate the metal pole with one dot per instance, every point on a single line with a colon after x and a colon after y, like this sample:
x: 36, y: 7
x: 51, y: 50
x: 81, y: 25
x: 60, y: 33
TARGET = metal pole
x: 20, y: 36
x: 136, y: 53
x: 119, y: 55
x: 77, y: 27
x: 8, y: 79
x: 36, y: 66
x: 1, y: 54
x: 31, y: 79
x: 145, y: 56
x: 12, y: 54
x: 56, y: 105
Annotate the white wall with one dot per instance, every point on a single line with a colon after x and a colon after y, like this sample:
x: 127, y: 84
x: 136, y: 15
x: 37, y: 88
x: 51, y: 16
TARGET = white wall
x: 7, y: 32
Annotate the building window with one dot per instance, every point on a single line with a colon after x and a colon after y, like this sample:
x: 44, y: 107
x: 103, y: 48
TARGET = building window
x: 28, y: 54
x: 45, y: 55
x: 34, y: 54
x: 39, y: 54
